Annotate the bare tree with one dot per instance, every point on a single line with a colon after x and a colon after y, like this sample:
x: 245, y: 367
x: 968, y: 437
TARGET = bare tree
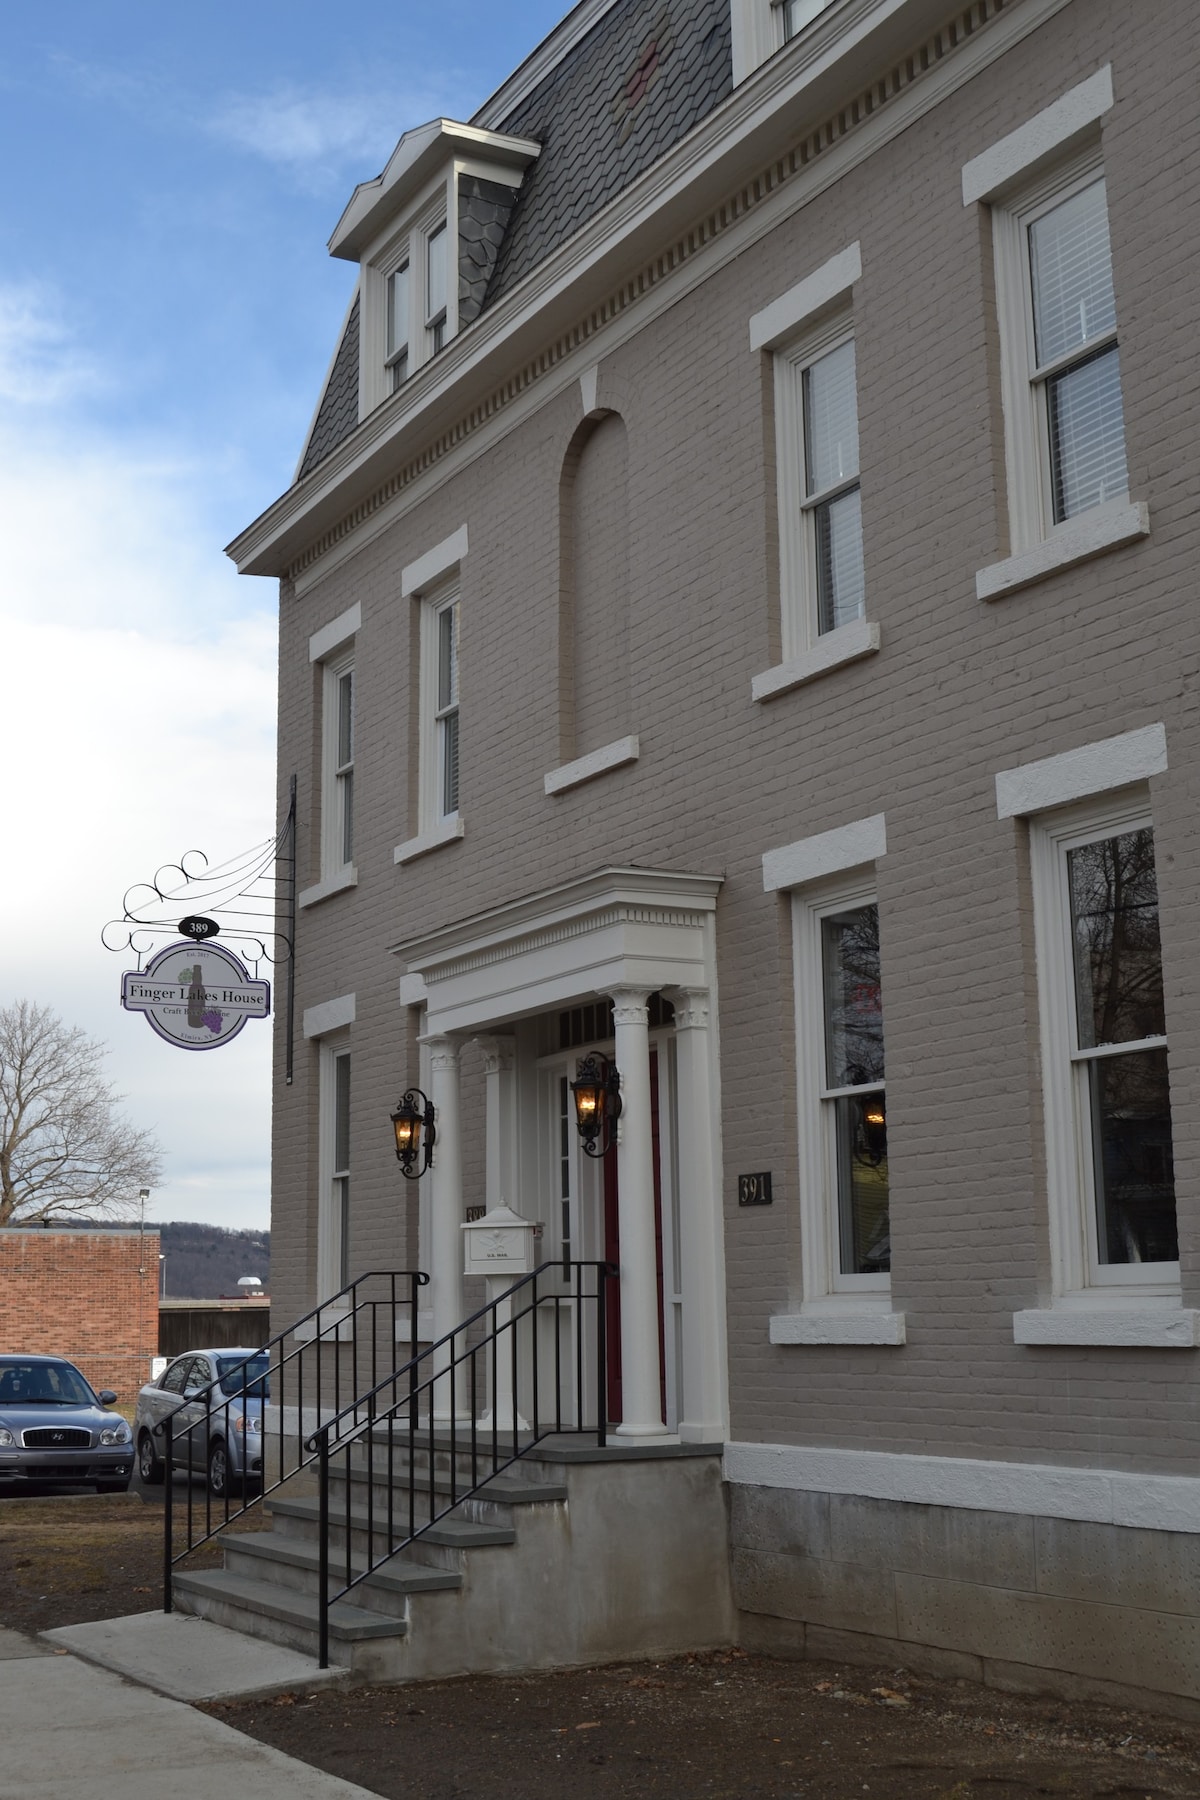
x: 64, y: 1149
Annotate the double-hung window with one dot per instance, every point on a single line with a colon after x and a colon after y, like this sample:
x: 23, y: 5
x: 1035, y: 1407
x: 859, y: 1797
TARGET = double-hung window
x: 1108, y: 1111
x: 852, y: 1092
x: 419, y: 319
x: 337, y: 796
x: 446, y: 706
x: 796, y: 14
x: 434, y: 582
x: 820, y: 526
x: 1060, y: 363
x: 333, y: 1211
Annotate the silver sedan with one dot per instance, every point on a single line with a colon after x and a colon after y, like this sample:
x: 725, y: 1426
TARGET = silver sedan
x: 55, y: 1427
x: 214, y: 1401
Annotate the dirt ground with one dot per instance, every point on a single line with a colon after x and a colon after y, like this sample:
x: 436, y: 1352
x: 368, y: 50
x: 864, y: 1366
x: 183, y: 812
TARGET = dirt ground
x: 716, y: 1726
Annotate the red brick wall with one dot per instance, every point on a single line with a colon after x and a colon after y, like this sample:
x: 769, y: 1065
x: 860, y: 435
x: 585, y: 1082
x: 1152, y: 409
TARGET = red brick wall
x: 91, y: 1296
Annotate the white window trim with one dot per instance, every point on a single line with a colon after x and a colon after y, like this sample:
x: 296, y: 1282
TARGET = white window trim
x: 1077, y: 1275
x: 433, y: 581
x: 336, y: 871
x: 448, y: 832
x: 832, y: 650
x: 1032, y: 527
x: 328, y: 1225
x: 435, y: 564
x: 406, y: 242
x: 586, y: 768
x: 758, y: 33
x: 1098, y: 768
x: 831, y: 283
x: 835, y: 1308
x: 324, y: 890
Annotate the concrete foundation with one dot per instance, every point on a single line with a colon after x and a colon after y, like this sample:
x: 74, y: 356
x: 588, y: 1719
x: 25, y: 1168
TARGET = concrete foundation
x: 1031, y: 1604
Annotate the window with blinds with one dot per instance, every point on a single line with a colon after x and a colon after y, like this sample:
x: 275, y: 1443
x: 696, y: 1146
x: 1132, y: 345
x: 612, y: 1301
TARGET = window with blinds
x: 447, y: 708
x: 830, y: 407
x: 1076, y: 374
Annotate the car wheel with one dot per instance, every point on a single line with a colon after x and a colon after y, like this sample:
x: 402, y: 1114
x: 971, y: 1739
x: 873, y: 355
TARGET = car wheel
x: 112, y: 1487
x: 221, y: 1479
x: 150, y: 1468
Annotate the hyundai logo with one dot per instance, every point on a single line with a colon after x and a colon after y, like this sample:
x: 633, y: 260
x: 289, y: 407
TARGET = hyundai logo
x: 57, y: 1438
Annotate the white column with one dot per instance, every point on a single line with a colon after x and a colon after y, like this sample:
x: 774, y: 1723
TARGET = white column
x: 701, y: 1226
x: 500, y: 1078
x: 640, y: 1370
x: 446, y: 1200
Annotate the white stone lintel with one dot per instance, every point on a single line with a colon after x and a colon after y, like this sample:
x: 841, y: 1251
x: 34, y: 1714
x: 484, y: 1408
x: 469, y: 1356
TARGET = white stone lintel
x: 331, y: 1015
x: 849, y: 643
x: 1075, y: 541
x: 339, y: 631
x: 596, y: 762
x: 1048, y: 134
x: 775, y: 323
x: 1098, y: 768
x: 826, y: 853
x: 854, y: 1327
x: 443, y: 559
x: 1122, y: 1327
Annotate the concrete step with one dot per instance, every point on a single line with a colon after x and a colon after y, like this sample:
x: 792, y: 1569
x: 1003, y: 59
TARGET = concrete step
x: 283, y: 1616
x: 295, y: 1565
x: 506, y: 1489
x: 437, y: 1543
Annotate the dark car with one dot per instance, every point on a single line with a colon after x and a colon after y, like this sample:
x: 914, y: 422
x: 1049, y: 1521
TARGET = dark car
x: 55, y: 1427
x: 214, y: 1399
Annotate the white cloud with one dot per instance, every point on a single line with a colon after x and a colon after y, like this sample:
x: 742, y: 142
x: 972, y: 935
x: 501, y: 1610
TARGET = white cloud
x: 137, y: 699
x: 316, y: 134
x: 40, y: 364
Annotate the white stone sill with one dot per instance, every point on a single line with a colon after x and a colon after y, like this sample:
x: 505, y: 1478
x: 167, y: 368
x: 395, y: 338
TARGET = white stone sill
x: 860, y: 1327
x: 343, y: 1330
x: 333, y: 884
x: 596, y: 762
x: 849, y: 643
x: 446, y: 833
x: 1091, y: 534
x: 1122, y: 1327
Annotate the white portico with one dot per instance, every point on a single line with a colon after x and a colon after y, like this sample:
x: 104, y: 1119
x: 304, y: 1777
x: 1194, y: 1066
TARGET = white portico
x: 619, y: 935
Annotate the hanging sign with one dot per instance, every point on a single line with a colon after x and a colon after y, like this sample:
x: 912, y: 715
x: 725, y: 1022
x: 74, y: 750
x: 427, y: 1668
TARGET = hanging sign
x: 196, y: 995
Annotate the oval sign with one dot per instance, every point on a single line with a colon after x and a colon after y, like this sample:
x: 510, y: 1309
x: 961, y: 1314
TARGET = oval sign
x: 195, y: 997
x: 198, y: 927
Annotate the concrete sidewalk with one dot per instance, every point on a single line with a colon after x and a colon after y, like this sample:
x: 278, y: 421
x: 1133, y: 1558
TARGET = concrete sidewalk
x: 71, y: 1729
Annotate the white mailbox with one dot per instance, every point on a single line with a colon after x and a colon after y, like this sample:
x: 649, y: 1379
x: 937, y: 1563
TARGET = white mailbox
x: 502, y: 1244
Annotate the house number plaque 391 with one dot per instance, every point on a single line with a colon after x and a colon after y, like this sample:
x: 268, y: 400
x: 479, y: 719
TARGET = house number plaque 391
x: 755, y: 1190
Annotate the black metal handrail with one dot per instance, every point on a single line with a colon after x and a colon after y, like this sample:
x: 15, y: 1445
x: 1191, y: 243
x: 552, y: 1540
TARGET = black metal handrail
x: 349, y: 1320
x: 422, y: 1416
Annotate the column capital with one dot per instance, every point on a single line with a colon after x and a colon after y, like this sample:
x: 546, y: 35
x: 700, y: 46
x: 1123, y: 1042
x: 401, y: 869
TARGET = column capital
x: 499, y: 1052
x: 691, y: 1008
x: 443, y: 1052
x: 630, y: 1005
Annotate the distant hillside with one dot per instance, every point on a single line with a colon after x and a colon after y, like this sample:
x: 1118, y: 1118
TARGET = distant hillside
x: 205, y: 1261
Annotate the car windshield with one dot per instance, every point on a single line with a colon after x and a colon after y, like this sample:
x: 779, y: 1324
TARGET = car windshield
x: 236, y: 1373
x: 42, y: 1384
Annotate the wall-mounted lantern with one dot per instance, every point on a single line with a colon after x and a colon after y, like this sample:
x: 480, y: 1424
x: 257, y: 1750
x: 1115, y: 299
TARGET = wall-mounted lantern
x: 416, y: 1134
x: 597, y: 1093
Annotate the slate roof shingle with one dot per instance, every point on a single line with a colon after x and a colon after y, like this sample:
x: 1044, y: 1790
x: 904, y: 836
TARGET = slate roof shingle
x: 337, y: 414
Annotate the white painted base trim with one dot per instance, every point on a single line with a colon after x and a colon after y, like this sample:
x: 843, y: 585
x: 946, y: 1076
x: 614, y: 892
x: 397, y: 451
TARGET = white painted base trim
x: 1045, y: 1490
x: 1092, y: 533
x: 1126, y: 1327
x: 849, y: 643
x: 448, y: 832
x: 596, y: 762
x: 333, y: 884
x: 837, y: 1328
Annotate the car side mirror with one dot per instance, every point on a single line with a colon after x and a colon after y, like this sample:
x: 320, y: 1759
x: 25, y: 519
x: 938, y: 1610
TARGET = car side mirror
x: 106, y: 1396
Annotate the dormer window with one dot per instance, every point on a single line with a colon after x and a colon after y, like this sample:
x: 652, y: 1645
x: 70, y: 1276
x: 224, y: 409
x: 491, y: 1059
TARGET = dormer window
x: 427, y: 233
x: 796, y: 14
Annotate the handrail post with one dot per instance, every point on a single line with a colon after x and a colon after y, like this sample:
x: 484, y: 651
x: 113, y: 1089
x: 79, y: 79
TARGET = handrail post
x: 323, y: 1546
x: 601, y: 1356
x: 168, y: 1518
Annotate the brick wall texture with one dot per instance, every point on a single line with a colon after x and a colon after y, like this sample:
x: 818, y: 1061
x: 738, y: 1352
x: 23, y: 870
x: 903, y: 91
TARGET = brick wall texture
x: 958, y: 691
x: 89, y: 1296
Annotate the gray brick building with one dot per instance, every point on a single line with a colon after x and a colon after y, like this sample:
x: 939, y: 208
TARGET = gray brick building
x: 737, y: 617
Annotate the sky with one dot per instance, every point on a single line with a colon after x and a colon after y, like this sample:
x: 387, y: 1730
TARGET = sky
x: 167, y: 313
